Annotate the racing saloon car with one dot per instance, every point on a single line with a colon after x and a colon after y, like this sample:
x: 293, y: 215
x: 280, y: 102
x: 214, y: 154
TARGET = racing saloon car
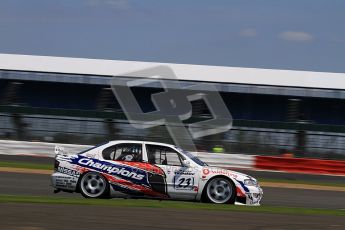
x: 141, y: 169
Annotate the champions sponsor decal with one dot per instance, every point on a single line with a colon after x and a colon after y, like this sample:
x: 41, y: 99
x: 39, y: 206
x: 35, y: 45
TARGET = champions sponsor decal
x: 123, y: 171
x: 110, y: 169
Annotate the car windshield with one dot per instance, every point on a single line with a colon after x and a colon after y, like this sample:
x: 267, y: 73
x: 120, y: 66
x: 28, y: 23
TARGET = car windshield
x: 192, y: 157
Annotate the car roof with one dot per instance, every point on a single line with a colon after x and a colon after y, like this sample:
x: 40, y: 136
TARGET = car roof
x: 146, y: 142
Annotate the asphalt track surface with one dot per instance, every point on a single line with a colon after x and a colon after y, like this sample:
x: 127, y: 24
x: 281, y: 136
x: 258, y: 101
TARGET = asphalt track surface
x: 39, y: 185
x: 44, y: 216
x: 49, y: 216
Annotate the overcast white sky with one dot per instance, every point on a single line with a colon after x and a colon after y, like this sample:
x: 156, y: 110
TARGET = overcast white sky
x: 289, y: 34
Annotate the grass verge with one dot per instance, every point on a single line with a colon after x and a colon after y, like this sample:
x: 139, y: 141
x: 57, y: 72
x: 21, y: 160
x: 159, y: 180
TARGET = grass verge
x: 13, y: 164
x: 288, y: 181
x: 143, y: 203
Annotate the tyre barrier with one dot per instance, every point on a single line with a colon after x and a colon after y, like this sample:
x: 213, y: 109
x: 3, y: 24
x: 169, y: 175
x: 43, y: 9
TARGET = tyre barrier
x: 300, y: 165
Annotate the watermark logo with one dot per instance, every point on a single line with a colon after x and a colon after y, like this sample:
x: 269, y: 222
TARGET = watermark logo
x: 173, y: 106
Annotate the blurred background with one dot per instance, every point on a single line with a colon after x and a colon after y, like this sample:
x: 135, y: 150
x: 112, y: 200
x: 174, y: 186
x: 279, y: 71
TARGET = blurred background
x: 82, y: 109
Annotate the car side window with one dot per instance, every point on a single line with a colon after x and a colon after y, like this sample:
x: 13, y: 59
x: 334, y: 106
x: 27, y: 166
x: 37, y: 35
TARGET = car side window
x: 123, y: 152
x: 163, y: 155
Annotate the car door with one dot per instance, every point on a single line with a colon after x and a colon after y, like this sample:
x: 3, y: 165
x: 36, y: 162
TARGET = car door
x: 148, y: 180
x: 127, y: 167
x: 182, y: 181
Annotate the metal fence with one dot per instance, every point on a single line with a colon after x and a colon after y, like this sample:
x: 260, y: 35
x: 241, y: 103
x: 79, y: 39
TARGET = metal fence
x: 238, y: 140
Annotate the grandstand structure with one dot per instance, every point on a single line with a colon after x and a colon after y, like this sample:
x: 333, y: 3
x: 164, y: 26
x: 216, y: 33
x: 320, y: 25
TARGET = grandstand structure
x: 60, y: 99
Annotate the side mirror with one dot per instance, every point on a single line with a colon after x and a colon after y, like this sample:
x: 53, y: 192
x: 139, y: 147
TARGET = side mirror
x: 186, y: 163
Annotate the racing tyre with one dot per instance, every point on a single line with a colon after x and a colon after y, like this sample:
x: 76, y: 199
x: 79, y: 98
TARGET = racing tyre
x: 94, y: 185
x: 220, y: 190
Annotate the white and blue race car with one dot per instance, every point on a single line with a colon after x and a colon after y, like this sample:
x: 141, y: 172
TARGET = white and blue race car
x: 150, y: 170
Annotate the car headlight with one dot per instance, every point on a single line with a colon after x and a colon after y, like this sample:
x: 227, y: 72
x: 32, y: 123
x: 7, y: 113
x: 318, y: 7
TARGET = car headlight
x: 250, y: 182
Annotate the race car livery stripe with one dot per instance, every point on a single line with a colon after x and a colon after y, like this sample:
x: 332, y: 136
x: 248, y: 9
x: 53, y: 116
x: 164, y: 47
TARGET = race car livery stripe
x: 239, y: 192
x: 130, y: 173
x: 144, y: 166
x: 141, y: 190
x: 126, y: 190
x: 129, y: 176
x: 133, y: 187
x: 243, y: 186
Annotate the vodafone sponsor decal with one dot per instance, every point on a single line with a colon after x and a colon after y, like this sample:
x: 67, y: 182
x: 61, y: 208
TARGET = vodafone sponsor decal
x: 206, y: 171
x: 218, y: 171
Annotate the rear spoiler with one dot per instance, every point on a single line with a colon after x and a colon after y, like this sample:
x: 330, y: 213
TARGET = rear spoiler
x: 59, y: 150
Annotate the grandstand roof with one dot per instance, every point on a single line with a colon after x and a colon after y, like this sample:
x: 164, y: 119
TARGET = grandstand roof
x: 219, y: 74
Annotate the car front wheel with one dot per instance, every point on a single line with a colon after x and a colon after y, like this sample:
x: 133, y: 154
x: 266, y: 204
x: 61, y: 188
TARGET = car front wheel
x: 220, y: 190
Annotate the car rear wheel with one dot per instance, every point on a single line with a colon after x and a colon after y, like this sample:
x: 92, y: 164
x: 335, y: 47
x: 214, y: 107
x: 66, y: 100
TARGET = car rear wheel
x: 94, y: 185
x: 220, y: 190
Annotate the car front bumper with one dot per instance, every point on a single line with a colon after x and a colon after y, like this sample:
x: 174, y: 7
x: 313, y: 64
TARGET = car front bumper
x: 252, y: 197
